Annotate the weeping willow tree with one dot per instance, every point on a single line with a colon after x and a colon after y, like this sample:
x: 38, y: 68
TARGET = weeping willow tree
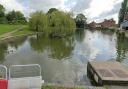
x: 123, y: 11
x: 57, y: 23
x: 38, y: 22
x: 61, y: 23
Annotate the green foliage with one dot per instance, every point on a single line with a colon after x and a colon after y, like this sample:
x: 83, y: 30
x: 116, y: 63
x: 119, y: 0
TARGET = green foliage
x: 38, y: 22
x: 80, y: 21
x: 16, y: 17
x: 13, y: 17
x: 2, y: 14
x: 2, y: 10
x: 61, y: 23
x: 54, y: 23
x: 123, y: 10
x: 3, y: 20
x: 51, y: 10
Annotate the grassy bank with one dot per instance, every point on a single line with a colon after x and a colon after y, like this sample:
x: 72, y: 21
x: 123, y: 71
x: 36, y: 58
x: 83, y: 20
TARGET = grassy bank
x: 25, y: 30
x: 5, y: 28
x: 12, y: 31
x: 55, y: 87
x: 59, y: 87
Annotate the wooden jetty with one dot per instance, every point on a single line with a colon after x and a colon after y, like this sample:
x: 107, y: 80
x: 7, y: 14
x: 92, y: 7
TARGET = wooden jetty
x: 107, y: 73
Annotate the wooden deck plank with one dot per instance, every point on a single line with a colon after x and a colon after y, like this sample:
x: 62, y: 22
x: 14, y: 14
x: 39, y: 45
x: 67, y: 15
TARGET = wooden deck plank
x: 109, y: 71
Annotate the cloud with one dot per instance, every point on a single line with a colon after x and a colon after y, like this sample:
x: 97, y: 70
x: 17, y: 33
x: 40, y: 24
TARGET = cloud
x: 113, y: 11
x: 78, y: 6
x: 100, y: 9
x: 45, y: 4
x: 11, y: 5
x: 42, y: 5
x: 28, y: 6
x: 94, y: 9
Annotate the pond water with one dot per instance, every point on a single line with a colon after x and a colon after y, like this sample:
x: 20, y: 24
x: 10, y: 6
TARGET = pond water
x: 64, y: 61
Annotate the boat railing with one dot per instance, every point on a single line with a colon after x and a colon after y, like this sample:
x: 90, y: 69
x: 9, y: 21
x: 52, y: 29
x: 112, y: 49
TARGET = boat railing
x: 3, y: 77
x: 30, y: 70
x: 3, y: 72
x: 25, y: 77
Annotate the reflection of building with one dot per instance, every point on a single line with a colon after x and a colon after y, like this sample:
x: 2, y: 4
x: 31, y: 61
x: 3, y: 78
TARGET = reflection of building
x: 111, y: 23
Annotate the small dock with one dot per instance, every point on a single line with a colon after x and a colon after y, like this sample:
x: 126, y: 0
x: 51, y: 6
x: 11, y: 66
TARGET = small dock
x: 107, y: 73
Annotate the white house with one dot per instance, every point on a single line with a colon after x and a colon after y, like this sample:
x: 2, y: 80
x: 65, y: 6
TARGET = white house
x: 124, y: 25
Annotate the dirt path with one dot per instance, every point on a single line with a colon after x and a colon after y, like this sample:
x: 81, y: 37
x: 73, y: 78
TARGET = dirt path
x: 9, y: 34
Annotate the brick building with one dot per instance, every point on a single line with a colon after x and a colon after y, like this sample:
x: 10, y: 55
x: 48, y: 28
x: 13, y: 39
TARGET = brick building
x: 108, y: 23
x: 94, y: 25
x: 105, y: 24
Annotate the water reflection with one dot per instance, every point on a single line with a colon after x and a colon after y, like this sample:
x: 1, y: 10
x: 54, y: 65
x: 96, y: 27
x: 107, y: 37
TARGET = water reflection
x: 96, y: 45
x: 3, y: 48
x: 71, y: 54
x: 58, y: 48
x: 80, y: 35
x: 16, y: 42
x: 9, y: 47
x: 122, y: 47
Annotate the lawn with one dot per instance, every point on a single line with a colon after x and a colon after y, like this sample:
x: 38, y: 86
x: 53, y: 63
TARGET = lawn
x: 24, y: 31
x: 4, y: 28
x: 16, y: 31
x: 55, y: 87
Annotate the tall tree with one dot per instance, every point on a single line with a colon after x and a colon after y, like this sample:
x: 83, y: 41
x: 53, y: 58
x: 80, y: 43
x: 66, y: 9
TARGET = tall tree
x: 123, y: 11
x: 81, y: 20
x: 2, y: 14
x: 52, y: 10
x: 2, y: 10
x: 15, y: 17
x: 38, y: 21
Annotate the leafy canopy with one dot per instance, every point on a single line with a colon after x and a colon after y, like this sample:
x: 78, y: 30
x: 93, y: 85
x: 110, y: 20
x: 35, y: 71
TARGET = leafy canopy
x: 54, y: 23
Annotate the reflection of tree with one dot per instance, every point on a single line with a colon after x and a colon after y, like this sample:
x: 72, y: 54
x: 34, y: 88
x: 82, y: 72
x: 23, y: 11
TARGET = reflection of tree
x: 109, y: 32
x: 80, y: 34
x: 39, y: 43
x: 3, y: 49
x: 60, y: 48
x: 17, y: 42
x: 122, y: 47
x: 13, y: 43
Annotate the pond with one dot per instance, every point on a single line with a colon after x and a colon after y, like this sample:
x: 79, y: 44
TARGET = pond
x: 64, y: 61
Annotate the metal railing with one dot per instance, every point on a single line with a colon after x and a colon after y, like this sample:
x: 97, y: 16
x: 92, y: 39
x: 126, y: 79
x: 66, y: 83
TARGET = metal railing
x: 3, y: 72
x: 25, y: 77
x: 30, y: 70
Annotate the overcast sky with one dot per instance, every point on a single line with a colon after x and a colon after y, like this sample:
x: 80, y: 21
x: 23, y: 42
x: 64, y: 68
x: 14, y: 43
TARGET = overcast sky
x: 94, y: 10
